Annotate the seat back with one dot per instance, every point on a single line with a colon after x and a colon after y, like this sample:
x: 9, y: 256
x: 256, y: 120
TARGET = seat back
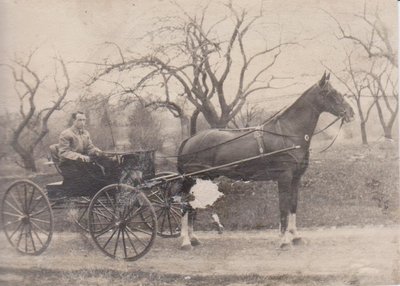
x: 55, y: 157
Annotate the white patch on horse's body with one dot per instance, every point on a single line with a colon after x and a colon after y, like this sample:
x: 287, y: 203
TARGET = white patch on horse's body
x: 205, y: 194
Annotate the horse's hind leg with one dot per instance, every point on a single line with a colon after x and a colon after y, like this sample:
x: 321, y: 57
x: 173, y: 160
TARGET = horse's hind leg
x: 194, y: 241
x: 186, y: 245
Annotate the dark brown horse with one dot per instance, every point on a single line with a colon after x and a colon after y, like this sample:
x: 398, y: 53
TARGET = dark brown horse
x: 293, y: 127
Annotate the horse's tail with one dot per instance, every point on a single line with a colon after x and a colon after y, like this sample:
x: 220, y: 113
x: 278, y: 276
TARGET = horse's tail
x: 180, y: 157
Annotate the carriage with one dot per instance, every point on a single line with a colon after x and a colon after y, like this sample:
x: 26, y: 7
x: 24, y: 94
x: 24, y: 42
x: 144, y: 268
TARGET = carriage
x: 127, y: 211
x: 121, y: 211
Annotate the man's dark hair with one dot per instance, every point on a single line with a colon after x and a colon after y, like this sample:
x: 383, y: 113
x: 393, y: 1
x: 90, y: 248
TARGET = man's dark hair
x: 76, y: 113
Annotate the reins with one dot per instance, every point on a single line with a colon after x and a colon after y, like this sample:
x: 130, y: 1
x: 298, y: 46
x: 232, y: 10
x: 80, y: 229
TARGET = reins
x: 334, y: 139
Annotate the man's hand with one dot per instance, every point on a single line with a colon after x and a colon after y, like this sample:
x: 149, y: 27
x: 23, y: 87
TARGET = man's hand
x: 84, y: 158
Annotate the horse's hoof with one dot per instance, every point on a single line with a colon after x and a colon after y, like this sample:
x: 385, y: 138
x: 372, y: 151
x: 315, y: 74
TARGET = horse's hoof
x: 297, y: 241
x: 220, y: 230
x: 186, y: 247
x: 195, y: 242
x: 285, y: 246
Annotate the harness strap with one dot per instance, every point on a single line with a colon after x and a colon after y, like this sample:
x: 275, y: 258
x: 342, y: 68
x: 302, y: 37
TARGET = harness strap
x: 279, y: 131
x: 258, y: 135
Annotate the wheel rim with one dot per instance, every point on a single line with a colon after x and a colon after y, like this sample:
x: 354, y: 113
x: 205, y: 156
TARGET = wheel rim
x: 168, y: 210
x: 27, y: 218
x: 122, y: 222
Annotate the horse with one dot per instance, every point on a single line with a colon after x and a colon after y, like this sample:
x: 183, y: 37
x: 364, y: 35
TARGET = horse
x: 292, y: 127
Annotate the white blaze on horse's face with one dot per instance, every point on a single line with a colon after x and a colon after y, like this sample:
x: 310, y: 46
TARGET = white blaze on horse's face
x: 335, y: 103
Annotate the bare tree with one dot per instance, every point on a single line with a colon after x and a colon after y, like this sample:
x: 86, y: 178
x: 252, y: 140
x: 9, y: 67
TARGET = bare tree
x: 356, y: 82
x: 383, y: 87
x: 376, y: 43
x: 377, y: 82
x: 32, y: 126
x: 215, y: 73
x: 248, y: 116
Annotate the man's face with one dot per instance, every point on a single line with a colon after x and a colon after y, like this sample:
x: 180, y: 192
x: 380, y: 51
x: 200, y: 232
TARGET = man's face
x: 80, y: 121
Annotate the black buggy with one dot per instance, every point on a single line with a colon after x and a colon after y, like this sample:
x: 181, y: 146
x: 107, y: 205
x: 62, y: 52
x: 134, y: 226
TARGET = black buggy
x: 119, y: 206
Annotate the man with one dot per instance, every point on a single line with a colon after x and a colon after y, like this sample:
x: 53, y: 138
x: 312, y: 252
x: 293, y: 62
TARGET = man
x: 74, y: 149
x: 75, y: 143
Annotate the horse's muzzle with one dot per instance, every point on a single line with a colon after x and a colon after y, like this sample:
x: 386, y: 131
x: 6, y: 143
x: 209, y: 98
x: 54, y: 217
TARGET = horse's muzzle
x: 348, y: 114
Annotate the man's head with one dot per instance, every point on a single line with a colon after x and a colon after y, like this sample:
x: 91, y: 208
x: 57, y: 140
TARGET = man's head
x: 78, y: 120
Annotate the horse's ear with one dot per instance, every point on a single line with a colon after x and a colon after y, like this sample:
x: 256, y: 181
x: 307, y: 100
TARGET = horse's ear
x: 328, y: 76
x: 322, y: 80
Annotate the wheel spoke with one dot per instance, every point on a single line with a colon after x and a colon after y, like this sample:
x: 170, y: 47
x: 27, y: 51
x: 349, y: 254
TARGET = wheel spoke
x: 11, y: 222
x: 30, y: 200
x: 14, y: 215
x: 169, y: 223
x: 142, y: 231
x: 33, y: 243
x: 124, y: 244
x: 113, y: 214
x: 129, y: 230
x: 18, y: 227
x: 41, y: 211
x: 37, y: 236
x: 40, y: 220
x: 110, y: 200
x: 14, y: 207
x: 20, y: 235
x: 107, y: 229
x: 83, y: 213
x: 116, y: 242
x: 102, y: 214
x: 105, y: 245
x: 40, y: 228
x: 131, y: 242
x: 25, y: 199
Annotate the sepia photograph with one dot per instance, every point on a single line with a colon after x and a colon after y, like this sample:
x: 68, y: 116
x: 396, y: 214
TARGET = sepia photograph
x: 199, y: 142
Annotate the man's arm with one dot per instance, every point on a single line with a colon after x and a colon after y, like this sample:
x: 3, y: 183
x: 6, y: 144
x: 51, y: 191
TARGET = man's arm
x: 91, y: 149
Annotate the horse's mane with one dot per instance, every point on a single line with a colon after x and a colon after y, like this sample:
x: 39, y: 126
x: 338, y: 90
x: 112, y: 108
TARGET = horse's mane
x: 281, y: 114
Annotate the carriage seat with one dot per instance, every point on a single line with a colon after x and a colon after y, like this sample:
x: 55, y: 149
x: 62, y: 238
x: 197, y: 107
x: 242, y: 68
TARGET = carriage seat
x: 54, y: 153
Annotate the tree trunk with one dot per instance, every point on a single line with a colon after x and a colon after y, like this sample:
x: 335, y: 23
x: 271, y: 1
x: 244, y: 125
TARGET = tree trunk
x: 364, y: 133
x: 387, y: 132
x: 193, y: 122
x: 29, y: 162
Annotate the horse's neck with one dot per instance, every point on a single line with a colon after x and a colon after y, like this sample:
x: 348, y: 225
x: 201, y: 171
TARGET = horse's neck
x: 302, y: 117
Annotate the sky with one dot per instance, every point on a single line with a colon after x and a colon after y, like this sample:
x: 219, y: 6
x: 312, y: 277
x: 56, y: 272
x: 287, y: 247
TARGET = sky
x: 77, y: 30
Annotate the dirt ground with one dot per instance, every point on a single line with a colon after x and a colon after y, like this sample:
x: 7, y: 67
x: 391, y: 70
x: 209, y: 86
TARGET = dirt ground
x: 333, y: 256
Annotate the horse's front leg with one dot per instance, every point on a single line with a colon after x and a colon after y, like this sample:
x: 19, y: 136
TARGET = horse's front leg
x: 296, y: 239
x: 285, y: 195
x: 186, y: 245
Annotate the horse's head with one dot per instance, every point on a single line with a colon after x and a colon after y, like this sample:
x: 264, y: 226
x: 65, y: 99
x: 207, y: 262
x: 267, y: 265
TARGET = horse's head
x: 332, y: 101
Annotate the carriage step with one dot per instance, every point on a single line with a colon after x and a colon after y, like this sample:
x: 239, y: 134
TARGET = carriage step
x: 55, y: 190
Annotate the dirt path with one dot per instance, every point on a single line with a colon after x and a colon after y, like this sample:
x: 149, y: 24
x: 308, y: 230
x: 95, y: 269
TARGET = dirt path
x: 343, y: 256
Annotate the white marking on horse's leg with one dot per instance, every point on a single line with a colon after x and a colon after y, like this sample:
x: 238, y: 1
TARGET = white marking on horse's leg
x: 216, y: 220
x: 286, y: 240
x: 186, y: 245
x: 194, y: 241
x: 293, y: 229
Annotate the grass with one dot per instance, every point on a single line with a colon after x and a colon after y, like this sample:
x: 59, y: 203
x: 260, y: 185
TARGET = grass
x: 102, y: 277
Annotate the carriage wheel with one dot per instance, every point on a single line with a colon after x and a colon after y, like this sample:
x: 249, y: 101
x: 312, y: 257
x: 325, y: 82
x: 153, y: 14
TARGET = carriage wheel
x: 122, y: 222
x: 167, y: 205
x: 81, y: 217
x: 27, y: 217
